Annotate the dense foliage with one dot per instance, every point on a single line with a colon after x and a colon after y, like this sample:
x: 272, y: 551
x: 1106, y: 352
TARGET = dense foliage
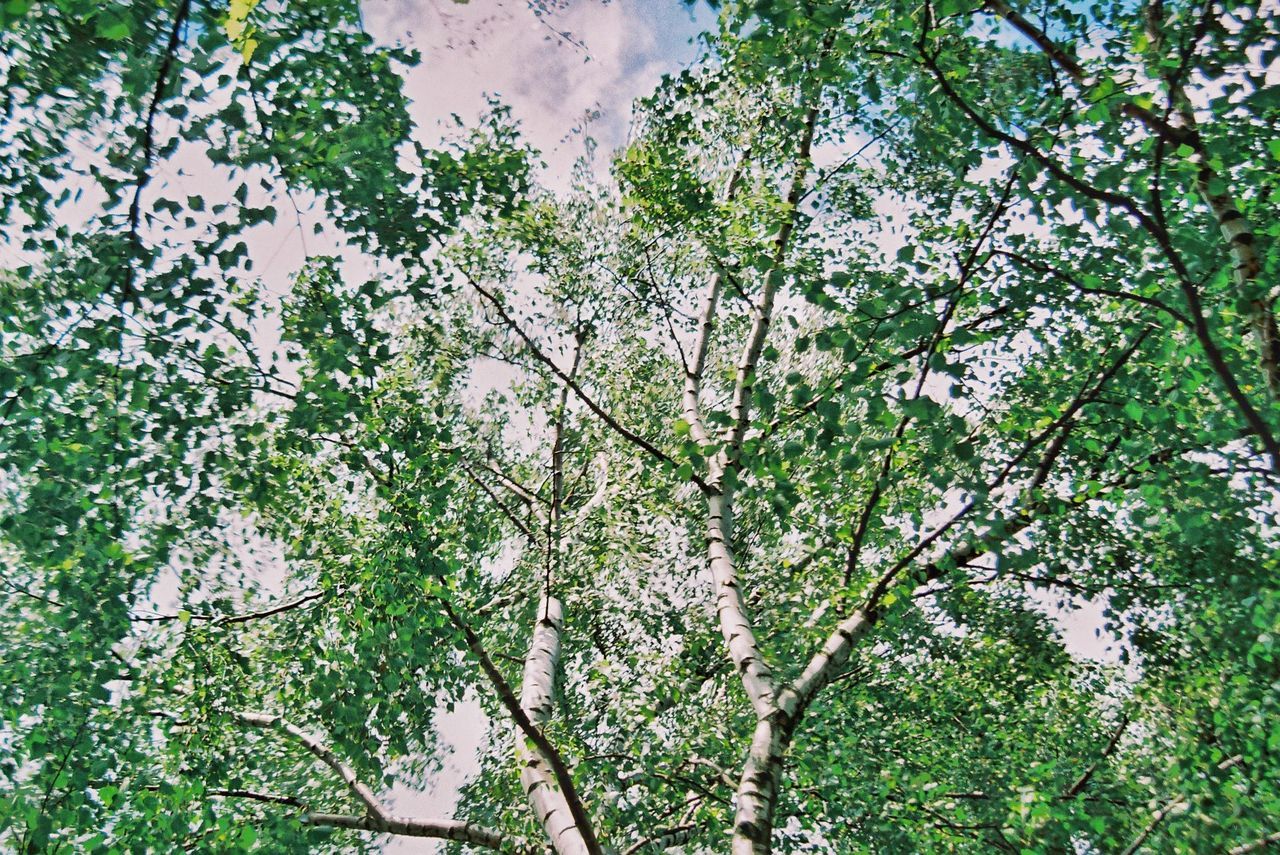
x: 750, y: 490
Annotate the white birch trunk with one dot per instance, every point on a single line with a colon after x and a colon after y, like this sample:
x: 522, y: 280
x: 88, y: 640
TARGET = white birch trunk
x: 537, y: 696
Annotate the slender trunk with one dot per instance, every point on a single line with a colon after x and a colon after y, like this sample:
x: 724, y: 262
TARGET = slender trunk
x: 762, y: 772
x: 537, y: 695
x: 735, y: 626
x: 1237, y: 233
x: 1246, y: 267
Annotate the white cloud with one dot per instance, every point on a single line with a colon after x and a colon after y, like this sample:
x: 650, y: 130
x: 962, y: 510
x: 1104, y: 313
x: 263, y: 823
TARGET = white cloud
x: 589, y: 58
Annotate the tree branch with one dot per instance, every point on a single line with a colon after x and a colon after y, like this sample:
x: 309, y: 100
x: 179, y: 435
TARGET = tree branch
x: 1083, y: 781
x: 229, y: 620
x: 1255, y: 845
x: 538, y: 354
x: 706, y: 325
x: 322, y: 752
x: 376, y: 817
x: 143, y: 177
x: 967, y: 268
x: 664, y: 839
x: 835, y: 651
x: 1188, y: 287
x: 1169, y: 807
x: 501, y: 506
x: 1235, y: 229
x: 440, y: 829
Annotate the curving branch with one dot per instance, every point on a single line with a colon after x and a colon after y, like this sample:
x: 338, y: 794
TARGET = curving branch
x: 1115, y: 293
x: 440, y: 829
x: 1199, y: 325
x: 246, y: 617
x: 540, y: 355
x: 1174, y: 804
x: 253, y: 796
x: 1080, y: 783
x: 318, y: 749
x: 1064, y: 60
x: 501, y: 506
x: 376, y: 817
x: 968, y: 267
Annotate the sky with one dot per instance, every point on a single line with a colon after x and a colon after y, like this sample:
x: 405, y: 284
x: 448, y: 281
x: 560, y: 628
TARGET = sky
x: 565, y: 72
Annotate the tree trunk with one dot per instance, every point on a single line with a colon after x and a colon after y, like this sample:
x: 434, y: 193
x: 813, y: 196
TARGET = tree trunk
x: 758, y: 789
x: 537, y: 694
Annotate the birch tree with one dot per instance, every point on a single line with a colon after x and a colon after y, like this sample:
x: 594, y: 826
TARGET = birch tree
x: 760, y: 489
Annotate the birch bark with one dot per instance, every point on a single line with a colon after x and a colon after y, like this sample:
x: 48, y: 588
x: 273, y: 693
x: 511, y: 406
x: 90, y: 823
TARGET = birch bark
x: 537, y: 695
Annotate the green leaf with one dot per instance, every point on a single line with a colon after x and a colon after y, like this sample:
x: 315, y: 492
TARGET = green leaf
x: 113, y: 27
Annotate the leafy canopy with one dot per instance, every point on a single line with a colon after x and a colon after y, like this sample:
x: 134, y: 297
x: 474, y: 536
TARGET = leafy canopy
x: 757, y: 492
